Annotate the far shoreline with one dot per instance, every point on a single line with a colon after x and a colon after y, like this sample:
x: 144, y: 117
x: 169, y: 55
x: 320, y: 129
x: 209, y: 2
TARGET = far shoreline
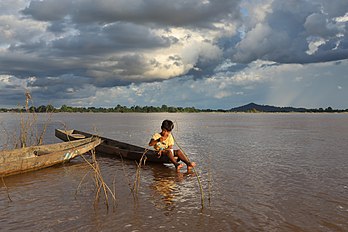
x: 227, y: 112
x: 249, y: 108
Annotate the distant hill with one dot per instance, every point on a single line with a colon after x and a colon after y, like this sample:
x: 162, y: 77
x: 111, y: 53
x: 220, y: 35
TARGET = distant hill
x: 252, y: 107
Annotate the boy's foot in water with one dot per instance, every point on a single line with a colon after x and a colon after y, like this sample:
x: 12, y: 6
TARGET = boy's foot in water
x: 178, y: 167
x: 190, y: 167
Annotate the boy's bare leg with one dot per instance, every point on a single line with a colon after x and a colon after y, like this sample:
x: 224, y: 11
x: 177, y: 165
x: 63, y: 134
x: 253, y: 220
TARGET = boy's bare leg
x: 184, y: 159
x: 173, y: 160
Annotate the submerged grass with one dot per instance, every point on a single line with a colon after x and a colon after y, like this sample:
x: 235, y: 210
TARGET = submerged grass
x: 100, y: 184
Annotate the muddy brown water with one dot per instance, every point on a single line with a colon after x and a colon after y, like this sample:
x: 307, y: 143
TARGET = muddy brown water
x: 259, y: 172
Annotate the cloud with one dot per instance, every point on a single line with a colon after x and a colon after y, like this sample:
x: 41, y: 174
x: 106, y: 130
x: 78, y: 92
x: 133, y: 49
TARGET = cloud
x: 169, y: 13
x: 283, y: 32
x: 317, y: 24
x: 105, y: 35
x: 48, y: 10
x: 211, y: 53
x: 18, y: 30
x: 262, y: 82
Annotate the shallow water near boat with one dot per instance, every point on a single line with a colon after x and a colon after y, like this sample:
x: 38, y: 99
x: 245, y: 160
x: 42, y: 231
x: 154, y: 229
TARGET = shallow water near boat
x: 259, y: 172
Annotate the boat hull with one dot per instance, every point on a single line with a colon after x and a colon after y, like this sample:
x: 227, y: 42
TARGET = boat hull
x: 37, y: 157
x: 114, y: 148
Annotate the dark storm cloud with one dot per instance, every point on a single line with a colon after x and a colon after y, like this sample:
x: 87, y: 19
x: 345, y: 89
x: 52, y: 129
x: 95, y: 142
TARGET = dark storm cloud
x: 286, y: 32
x: 283, y: 36
x: 334, y: 8
x: 316, y: 25
x: 93, y: 31
x: 130, y: 35
x: 50, y: 10
x: 24, y: 66
x: 48, y: 90
x: 11, y: 97
x: 174, y: 13
x: 79, y: 54
x: 131, y: 65
x: 97, y: 40
x: 122, y: 70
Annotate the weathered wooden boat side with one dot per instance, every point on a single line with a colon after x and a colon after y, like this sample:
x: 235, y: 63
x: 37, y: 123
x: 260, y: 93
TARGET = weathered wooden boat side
x: 37, y: 157
x: 113, y: 147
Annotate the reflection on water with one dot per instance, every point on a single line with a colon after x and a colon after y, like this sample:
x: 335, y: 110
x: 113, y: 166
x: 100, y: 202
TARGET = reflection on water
x: 170, y: 186
x: 166, y: 187
x: 269, y: 172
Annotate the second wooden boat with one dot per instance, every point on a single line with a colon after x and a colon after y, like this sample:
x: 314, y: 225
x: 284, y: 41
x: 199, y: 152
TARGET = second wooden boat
x: 36, y: 157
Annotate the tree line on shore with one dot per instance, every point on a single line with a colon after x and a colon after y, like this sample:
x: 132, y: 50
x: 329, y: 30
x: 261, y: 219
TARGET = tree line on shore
x: 163, y: 108
x: 117, y: 109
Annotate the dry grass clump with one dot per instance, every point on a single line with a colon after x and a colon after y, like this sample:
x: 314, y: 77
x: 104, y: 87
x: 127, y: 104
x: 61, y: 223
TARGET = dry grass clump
x: 29, y: 133
x: 101, y: 187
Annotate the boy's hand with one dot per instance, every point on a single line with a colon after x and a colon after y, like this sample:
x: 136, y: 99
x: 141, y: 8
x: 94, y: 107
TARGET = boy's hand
x: 159, y: 154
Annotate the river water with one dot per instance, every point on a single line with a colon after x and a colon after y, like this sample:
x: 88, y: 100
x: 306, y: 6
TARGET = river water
x: 258, y: 172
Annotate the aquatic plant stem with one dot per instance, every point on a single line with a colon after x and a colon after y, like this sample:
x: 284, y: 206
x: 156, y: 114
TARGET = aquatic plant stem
x: 194, y: 168
x: 8, y: 193
x: 142, y: 161
x: 209, y: 179
x: 127, y: 177
x: 78, y: 187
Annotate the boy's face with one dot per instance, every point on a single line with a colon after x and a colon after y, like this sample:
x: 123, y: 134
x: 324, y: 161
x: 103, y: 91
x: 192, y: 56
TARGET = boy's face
x: 165, y: 132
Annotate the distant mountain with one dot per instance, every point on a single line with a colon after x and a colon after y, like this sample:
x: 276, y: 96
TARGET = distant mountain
x: 252, y: 107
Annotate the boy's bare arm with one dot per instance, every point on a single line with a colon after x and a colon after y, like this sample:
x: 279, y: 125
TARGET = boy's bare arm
x: 153, y: 142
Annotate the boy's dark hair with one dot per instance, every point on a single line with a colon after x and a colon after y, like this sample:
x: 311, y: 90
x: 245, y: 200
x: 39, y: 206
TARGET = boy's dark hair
x: 167, y: 125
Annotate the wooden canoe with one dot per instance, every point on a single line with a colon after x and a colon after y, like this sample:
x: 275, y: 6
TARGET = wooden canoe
x: 37, y: 157
x: 113, y: 147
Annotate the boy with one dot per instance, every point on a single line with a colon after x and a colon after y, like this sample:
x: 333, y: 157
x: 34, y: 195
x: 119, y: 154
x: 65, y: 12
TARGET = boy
x: 163, y: 143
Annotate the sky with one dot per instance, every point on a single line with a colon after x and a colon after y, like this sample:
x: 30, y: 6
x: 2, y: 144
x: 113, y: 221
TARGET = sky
x: 215, y: 54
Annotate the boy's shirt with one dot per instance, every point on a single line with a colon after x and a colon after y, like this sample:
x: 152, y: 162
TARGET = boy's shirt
x: 165, y: 144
